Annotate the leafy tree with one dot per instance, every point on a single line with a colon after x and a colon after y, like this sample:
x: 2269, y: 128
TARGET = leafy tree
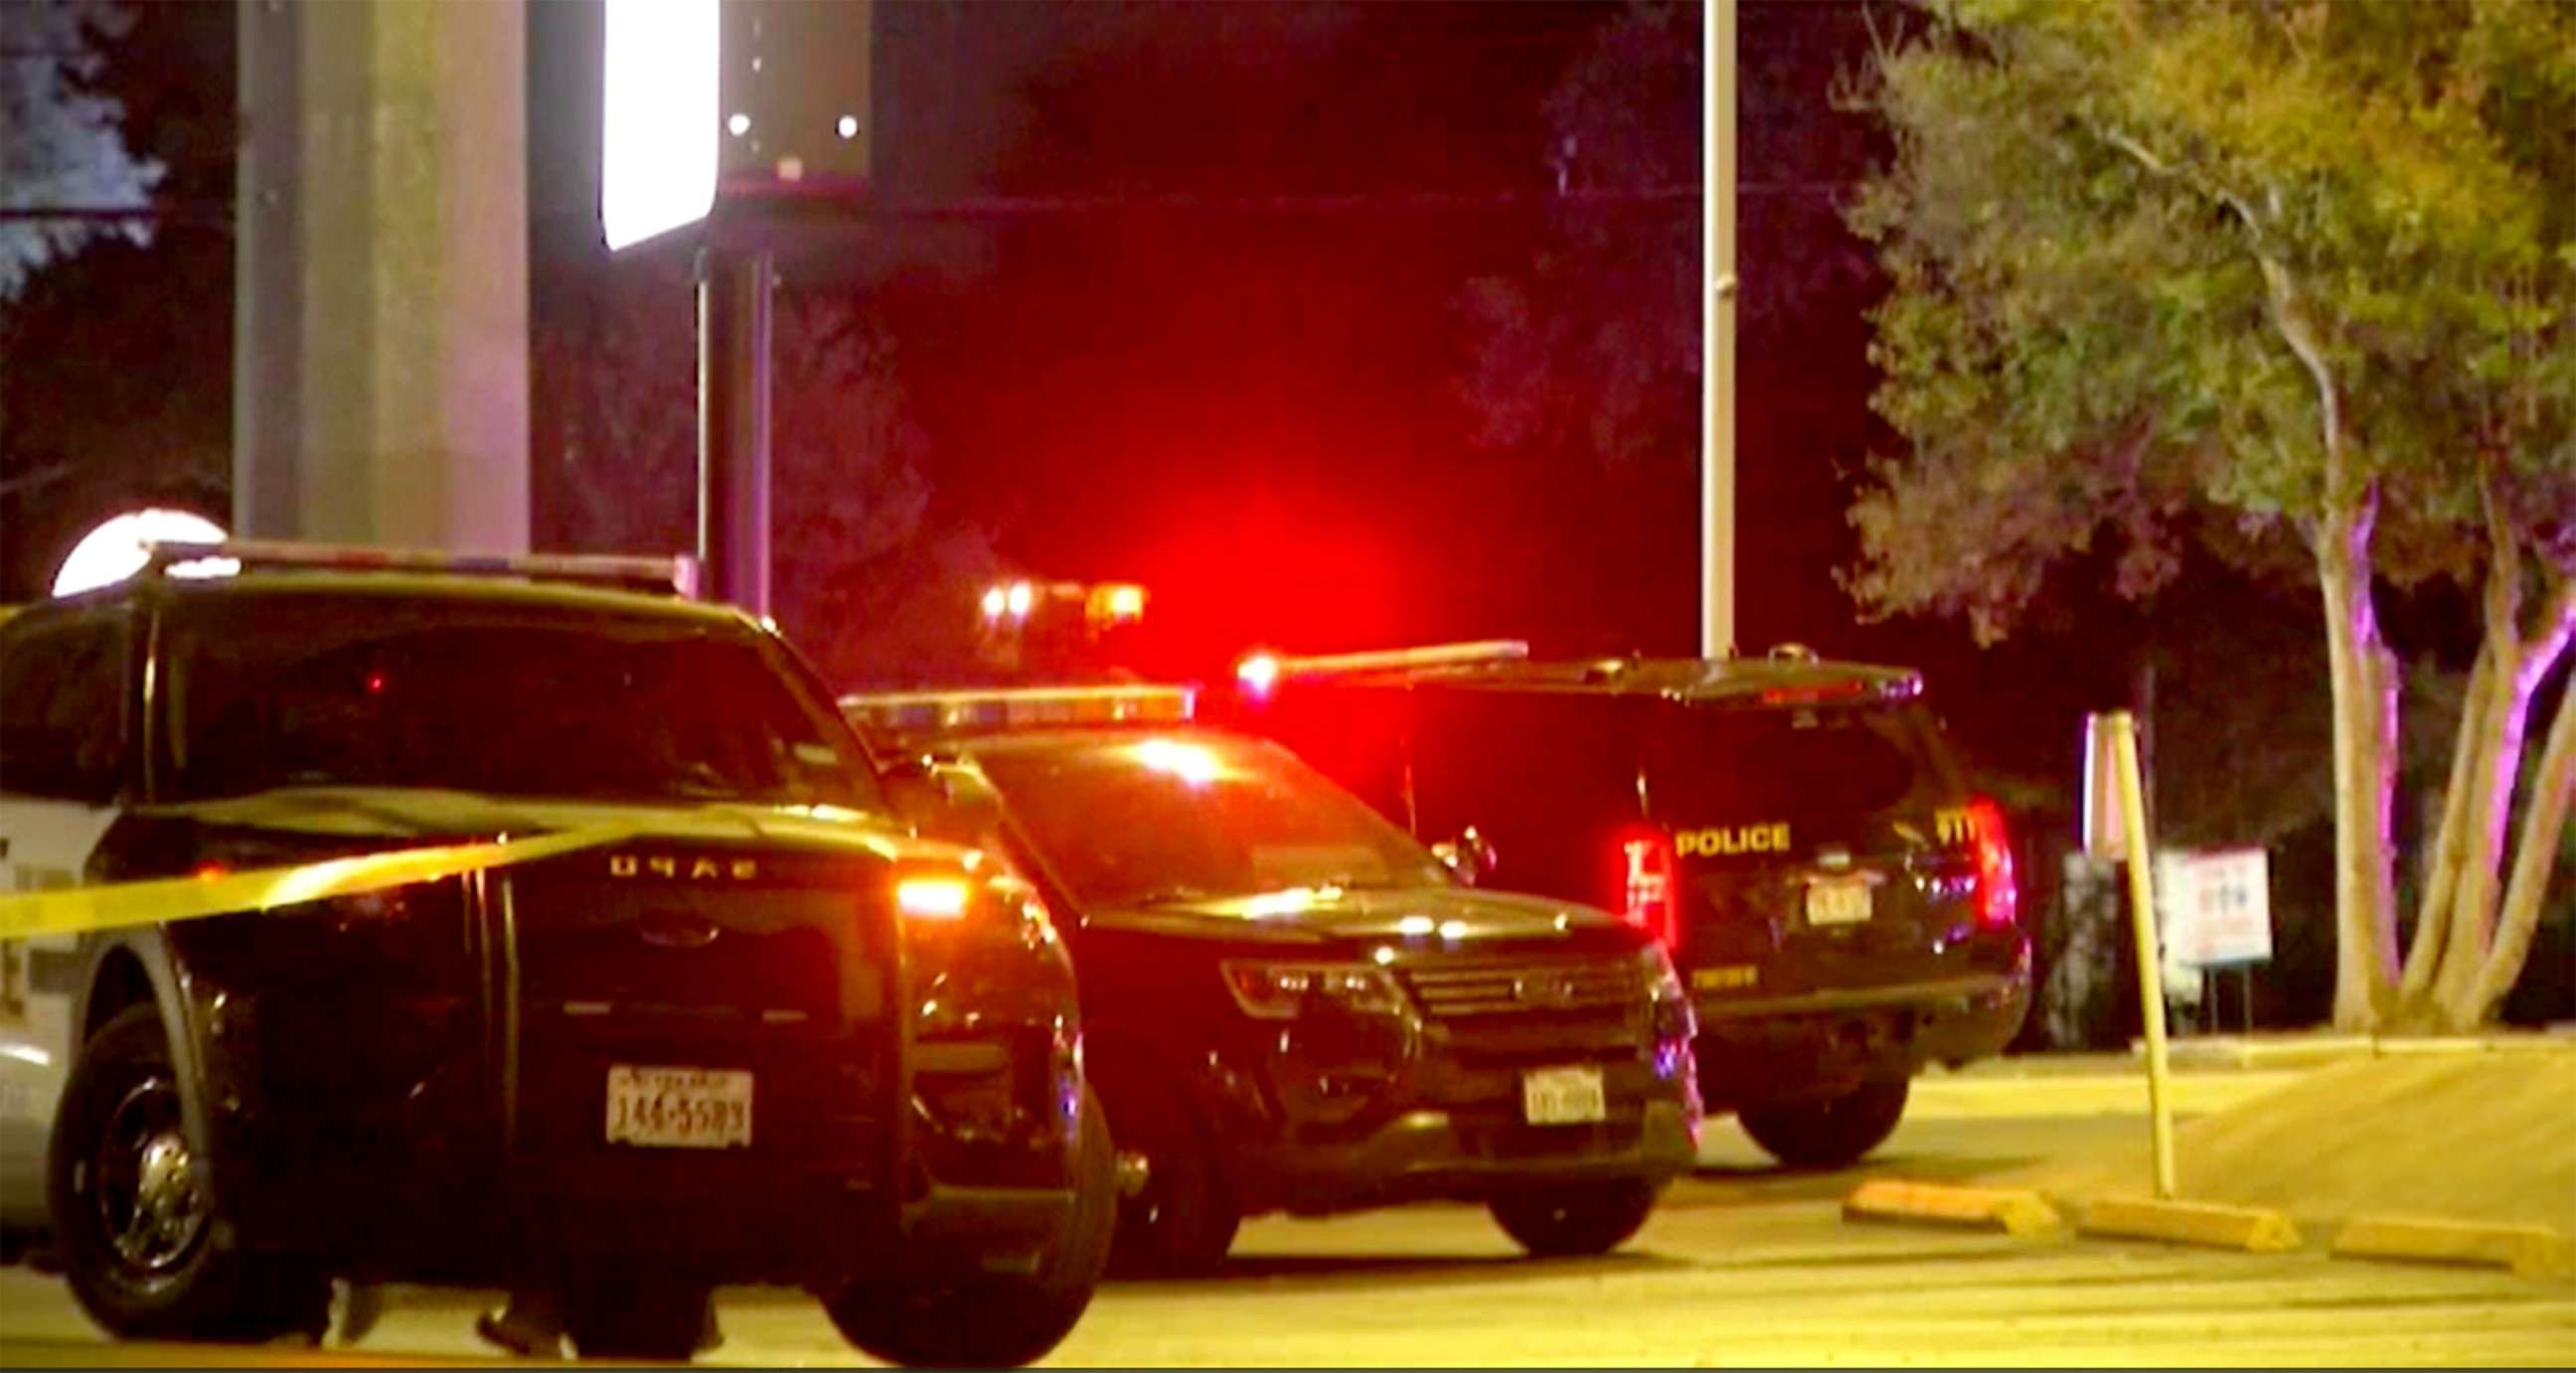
x: 861, y: 579
x: 2291, y: 279
x: 61, y: 145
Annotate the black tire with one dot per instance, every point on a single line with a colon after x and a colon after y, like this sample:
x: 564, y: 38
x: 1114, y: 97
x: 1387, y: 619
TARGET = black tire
x: 135, y: 1218
x: 1580, y: 1218
x: 1831, y: 1133
x: 985, y: 1320
x: 1184, y: 1218
x: 636, y: 1316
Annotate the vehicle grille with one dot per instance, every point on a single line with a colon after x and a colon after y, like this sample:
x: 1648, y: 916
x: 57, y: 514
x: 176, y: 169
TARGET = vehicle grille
x: 778, y: 954
x: 1525, y: 987
x: 790, y: 983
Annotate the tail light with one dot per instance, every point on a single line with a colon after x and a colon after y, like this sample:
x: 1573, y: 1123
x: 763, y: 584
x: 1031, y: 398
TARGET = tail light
x: 1998, y: 899
x: 1646, y: 887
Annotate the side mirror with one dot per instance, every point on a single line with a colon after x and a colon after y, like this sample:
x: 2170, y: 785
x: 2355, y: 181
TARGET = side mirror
x: 913, y: 787
x: 1469, y: 855
x: 942, y: 799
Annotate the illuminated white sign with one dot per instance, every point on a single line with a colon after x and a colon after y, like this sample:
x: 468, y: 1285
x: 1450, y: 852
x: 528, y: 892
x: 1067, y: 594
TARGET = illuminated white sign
x: 658, y: 150
x: 115, y: 550
x: 2215, y: 906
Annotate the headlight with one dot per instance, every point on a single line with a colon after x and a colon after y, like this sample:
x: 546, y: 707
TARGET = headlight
x: 1282, y: 991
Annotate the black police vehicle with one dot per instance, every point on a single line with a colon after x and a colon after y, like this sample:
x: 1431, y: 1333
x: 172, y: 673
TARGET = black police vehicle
x: 743, y: 1028
x: 1799, y: 832
x: 1289, y: 1004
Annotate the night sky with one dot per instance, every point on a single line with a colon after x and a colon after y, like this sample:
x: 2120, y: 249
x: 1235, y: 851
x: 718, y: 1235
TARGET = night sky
x: 1256, y: 412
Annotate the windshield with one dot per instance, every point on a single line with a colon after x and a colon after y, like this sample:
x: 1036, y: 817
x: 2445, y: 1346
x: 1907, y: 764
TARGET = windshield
x: 1134, y: 821
x: 304, y: 689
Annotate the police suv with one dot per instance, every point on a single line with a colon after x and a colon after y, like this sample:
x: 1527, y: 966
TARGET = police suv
x: 1292, y: 1006
x: 403, y: 917
x: 1800, y: 833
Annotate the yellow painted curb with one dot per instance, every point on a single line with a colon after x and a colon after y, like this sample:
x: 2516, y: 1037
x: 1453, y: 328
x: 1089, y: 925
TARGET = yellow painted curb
x: 2021, y: 1214
x: 2534, y: 1251
x: 2210, y: 1223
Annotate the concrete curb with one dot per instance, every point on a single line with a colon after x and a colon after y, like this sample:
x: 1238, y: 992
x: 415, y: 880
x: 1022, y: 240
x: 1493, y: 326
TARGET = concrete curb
x: 2308, y: 1051
x: 2020, y: 1213
x: 2208, y: 1223
x: 2534, y: 1251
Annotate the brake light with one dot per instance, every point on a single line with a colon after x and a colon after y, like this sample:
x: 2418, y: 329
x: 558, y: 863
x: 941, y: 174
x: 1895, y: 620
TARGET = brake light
x: 1998, y: 899
x: 931, y: 898
x: 1646, y: 883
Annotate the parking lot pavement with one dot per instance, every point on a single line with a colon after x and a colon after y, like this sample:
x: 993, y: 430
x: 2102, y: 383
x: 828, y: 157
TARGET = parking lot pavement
x: 1745, y: 1264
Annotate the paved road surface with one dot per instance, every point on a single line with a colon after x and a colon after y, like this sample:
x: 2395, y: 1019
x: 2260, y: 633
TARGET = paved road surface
x: 1744, y: 1265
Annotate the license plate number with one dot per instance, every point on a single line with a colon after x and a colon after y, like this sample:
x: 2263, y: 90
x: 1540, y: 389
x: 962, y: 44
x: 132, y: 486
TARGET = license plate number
x: 679, y: 1108
x: 1563, y: 1096
x: 1837, y: 903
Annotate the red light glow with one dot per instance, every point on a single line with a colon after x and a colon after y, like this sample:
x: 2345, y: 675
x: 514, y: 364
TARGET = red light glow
x: 1998, y: 896
x: 1646, y: 889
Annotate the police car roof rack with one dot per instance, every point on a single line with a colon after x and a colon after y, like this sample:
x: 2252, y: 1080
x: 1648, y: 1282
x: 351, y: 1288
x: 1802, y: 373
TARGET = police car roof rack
x: 909, y: 713
x: 676, y: 574
x: 1259, y: 670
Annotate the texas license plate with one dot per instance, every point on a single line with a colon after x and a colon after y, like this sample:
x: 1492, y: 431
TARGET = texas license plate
x: 679, y: 1108
x: 1563, y: 1096
x: 1837, y: 903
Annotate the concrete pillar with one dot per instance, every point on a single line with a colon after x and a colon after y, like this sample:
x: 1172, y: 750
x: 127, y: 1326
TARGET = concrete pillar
x: 381, y: 327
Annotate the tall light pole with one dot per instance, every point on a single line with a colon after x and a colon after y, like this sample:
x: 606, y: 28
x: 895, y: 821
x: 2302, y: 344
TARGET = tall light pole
x: 1717, y: 333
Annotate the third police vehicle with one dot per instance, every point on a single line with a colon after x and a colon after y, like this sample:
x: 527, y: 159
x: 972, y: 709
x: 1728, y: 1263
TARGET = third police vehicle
x: 1801, y: 834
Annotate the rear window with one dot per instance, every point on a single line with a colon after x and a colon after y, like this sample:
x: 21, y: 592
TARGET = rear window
x: 1798, y: 763
x: 355, y: 690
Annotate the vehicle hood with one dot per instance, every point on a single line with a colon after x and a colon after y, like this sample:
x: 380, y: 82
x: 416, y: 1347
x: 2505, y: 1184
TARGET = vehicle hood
x: 1328, y: 915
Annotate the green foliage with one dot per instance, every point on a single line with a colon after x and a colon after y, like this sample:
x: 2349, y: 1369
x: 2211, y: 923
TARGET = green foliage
x: 2105, y: 226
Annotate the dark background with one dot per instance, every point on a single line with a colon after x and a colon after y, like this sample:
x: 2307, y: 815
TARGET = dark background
x: 1259, y: 403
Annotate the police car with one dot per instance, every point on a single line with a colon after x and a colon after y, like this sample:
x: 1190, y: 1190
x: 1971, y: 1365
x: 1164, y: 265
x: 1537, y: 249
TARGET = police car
x: 494, y: 922
x: 1289, y: 1004
x: 1800, y: 833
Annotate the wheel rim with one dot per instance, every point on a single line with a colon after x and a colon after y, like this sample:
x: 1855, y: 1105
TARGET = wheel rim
x: 151, y: 1205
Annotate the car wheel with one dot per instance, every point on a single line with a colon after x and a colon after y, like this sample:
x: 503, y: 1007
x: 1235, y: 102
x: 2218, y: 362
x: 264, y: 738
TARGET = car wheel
x: 986, y: 1320
x: 1569, y: 1219
x: 1832, y: 1133
x: 1182, y: 1220
x: 134, y: 1215
x: 661, y: 1320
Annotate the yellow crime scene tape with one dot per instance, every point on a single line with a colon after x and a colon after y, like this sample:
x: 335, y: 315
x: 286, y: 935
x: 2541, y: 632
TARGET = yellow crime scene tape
x: 160, y: 900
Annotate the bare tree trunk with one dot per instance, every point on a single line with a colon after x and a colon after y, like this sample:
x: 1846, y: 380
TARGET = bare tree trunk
x: 2363, y: 677
x: 2476, y: 997
x: 2517, y: 668
x: 2433, y: 910
x: 2364, y: 680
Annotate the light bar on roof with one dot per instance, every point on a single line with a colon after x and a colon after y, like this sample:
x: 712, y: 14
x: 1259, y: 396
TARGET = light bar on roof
x: 931, y: 712
x: 677, y: 573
